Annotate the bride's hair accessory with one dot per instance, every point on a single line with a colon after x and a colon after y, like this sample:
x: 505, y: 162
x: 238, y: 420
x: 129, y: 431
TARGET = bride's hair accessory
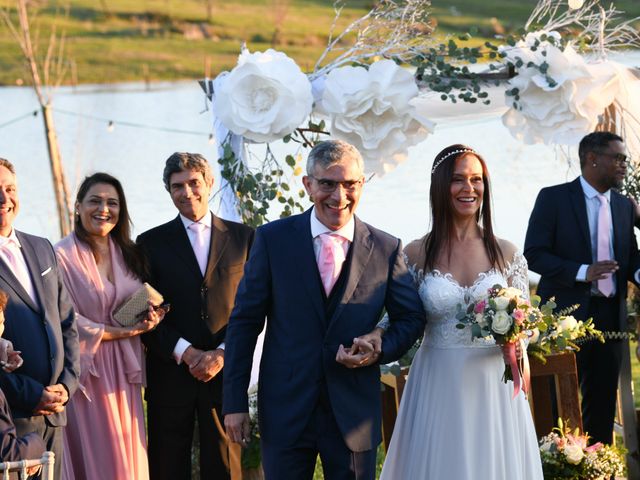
x: 455, y: 152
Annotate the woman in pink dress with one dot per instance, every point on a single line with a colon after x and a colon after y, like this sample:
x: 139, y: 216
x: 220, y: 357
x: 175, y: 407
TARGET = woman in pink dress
x: 105, y: 434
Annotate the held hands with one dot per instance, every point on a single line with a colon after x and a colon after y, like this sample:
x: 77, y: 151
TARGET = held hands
x: 53, y: 399
x: 204, y: 365
x: 600, y: 270
x: 365, y: 350
x: 238, y: 428
x: 10, y: 359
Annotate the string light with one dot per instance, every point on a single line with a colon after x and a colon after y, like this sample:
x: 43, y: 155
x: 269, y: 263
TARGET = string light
x: 575, y: 4
x: 33, y: 113
x: 111, y: 124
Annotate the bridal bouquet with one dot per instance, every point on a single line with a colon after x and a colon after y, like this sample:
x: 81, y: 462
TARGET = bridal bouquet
x: 565, y: 455
x: 510, y: 319
x: 507, y: 317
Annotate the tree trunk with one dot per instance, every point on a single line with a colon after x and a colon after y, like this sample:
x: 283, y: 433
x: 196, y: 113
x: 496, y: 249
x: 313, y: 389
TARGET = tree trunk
x: 209, y: 10
x: 59, y: 184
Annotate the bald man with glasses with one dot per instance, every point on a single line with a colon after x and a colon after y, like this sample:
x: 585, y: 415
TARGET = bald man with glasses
x: 581, y: 241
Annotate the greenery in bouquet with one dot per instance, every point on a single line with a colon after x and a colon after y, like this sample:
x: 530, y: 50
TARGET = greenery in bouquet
x: 565, y: 455
x: 561, y: 332
x: 251, y: 456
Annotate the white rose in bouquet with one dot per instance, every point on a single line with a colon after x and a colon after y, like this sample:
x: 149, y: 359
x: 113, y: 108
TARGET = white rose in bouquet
x: 373, y: 110
x: 481, y: 320
x: 573, y: 453
x: 512, y: 292
x: 568, y: 323
x: 265, y: 97
x: 502, y: 322
x: 502, y: 303
x: 534, y: 335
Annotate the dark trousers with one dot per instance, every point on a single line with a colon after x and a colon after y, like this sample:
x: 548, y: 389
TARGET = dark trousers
x: 52, y: 438
x: 171, y: 434
x: 321, y: 437
x: 598, y: 372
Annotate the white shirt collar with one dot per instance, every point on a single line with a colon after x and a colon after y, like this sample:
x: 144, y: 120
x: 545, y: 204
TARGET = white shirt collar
x: 591, y: 192
x: 12, y: 238
x: 206, y: 220
x: 318, y: 228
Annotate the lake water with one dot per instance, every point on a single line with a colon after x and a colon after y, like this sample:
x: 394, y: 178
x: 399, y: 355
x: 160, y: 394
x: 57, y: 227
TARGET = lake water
x: 396, y: 202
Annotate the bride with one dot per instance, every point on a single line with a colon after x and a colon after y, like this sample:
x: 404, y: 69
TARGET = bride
x: 457, y: 418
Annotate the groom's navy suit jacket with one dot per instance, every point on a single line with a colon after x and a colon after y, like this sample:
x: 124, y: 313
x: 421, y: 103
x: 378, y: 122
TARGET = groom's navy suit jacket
x: 45, y: 332
x: 281, y: 282
x: 558, y: 242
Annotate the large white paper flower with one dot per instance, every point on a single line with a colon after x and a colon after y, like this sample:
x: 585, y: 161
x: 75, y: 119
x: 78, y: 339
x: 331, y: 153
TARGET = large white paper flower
x: 265, y: 97
x: 561, y: 105
x: 373, y: 110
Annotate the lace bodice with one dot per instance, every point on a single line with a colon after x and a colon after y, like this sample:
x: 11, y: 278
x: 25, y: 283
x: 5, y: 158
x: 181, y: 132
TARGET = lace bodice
x: 441, y: 294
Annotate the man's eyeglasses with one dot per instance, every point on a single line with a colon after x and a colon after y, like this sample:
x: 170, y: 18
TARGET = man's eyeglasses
x: 620, y: 158
x: 329, y: 186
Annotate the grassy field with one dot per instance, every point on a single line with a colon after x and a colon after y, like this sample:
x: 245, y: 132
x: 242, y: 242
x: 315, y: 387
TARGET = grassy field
x: 127, y: 40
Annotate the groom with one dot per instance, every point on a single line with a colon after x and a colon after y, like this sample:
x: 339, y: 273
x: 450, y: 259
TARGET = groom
x: 321, y: 279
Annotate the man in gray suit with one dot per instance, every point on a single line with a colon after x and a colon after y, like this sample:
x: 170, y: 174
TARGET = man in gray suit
x: 40, y: 322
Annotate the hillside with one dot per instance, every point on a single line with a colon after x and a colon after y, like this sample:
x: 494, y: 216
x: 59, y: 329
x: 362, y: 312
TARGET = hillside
x: 134, y: 40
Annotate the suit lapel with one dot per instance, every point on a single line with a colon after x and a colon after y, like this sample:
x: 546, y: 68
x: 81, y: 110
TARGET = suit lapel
x: 362, y: 248
x: 30, y: 257
x: 305, y: 262
x: 219, y: 240
x: 580, y: 209
x: 181, y: 246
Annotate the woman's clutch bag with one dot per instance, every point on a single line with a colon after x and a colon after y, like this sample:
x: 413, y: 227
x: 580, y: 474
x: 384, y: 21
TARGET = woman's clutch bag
x: 133, y: 309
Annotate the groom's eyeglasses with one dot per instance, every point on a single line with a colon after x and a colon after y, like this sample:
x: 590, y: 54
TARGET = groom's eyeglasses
x: 620, y: 158
x: 329, y: 186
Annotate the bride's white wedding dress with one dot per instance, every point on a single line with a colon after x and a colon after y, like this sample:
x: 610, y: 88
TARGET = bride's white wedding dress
x: 457, y: 419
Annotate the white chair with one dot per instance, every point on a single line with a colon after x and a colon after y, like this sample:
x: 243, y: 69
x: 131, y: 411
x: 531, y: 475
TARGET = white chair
x: 20, y: 467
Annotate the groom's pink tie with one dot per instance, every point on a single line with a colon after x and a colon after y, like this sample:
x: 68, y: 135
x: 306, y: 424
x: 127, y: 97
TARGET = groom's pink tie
x: 200, y: 248
x: 605, y: 285
x: 331, y: 259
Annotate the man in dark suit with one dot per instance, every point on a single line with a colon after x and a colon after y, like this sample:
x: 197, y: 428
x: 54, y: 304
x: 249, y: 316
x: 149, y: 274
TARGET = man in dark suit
x: 196, y: 261
x: 581, y: 241
x: 12, y: 446
x: 40, y: 322
x: 321, y: 279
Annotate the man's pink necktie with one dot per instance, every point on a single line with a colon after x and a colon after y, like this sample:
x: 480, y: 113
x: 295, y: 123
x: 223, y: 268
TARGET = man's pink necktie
x: 605, y: 285
x: 200, y: 247
x: 330, y: 260
x: 10, y: 252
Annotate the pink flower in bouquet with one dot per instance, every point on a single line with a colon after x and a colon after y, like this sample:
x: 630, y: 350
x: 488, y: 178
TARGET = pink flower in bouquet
x: 518, y: 316
x: 480, y: 306
x: 595, y: 447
